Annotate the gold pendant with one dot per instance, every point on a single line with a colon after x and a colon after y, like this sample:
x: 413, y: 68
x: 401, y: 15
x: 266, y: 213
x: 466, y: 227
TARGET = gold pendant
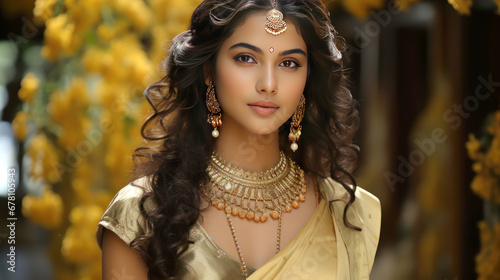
x: 274, y: 22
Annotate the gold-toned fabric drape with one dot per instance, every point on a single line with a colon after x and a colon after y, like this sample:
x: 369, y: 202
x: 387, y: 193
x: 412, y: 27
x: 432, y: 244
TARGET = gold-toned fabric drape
x: 323, y: 249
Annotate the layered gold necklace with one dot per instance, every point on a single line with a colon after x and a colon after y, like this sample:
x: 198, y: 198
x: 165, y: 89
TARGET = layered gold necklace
x: 255, y: 195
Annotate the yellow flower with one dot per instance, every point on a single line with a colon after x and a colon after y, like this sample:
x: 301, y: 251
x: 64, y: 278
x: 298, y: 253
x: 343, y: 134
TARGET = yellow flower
x: 473, y: 146
x: 118, y: 160
x: 486, y: 187
x: 172, y: 10
x: 106, y: 32
x: 44, y: 161
x: 29, y: 88
x: 122, y: 50
x: 79, y: 244
x: 68, y: 110
x: 45, y: 210
x: 44, y: 9
x: 478, y: 167
x: 123, y: 62
x: 82, y: 181
x: 114, y: 97
x: 20, y: 125
x: 86, y: 215
x: 140, y: 68
x: 84, y: 14
x: 136, y: 11
x: 59, y: 38
x: 462, y: 6
x: 81, y: 189
x: 94, y: 58
x: 488, y: 259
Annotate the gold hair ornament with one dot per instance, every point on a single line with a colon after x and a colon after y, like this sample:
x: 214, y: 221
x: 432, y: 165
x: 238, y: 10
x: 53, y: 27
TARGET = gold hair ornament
x: 274, y: 20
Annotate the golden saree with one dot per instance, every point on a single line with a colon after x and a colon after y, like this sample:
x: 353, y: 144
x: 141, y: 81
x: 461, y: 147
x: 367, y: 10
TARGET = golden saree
x: 323, y: 249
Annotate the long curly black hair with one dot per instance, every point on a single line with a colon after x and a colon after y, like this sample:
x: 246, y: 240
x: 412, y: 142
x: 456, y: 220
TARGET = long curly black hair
x: 179, y: 141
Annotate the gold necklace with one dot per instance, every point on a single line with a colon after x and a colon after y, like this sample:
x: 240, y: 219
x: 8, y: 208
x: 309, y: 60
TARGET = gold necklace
x: 235, y: 239
x: 255, y: 195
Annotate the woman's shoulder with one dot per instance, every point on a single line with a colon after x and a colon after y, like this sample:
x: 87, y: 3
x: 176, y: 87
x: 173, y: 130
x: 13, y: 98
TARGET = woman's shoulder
x: 135, y: 188
x: 123, y: 215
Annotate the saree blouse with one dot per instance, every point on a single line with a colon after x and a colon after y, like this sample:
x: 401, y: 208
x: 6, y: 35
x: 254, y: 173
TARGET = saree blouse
x: 323, y: 249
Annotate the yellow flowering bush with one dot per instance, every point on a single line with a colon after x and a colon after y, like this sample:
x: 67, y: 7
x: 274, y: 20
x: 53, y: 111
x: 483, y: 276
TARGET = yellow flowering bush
x: 45, y: 210
x: 485, y: 153
x: 486, y: 157
x: 29, y: 88
x: 80, y: 122
x: 488, y: 259
x: 44, y: 9
x: 79, y: 245
x: 20, y: 125
x: 44, y: 159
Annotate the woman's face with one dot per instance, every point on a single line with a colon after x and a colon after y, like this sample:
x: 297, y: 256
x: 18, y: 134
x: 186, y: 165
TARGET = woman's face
x: 259, y: 77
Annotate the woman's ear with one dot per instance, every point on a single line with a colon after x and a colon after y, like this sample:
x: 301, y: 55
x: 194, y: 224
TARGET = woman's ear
x: 207, y: 73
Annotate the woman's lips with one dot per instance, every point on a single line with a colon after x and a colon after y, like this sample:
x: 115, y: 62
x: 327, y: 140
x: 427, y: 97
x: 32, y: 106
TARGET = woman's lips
x: 264, y: 107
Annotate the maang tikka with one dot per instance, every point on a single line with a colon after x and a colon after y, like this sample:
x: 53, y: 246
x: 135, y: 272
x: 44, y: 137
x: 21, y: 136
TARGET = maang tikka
x: 214, y: 117
x: 295, y: 127
x: 274, y: 20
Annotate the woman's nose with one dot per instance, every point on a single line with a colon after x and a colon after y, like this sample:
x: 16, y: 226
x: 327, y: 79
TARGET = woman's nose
x: 267, y: 83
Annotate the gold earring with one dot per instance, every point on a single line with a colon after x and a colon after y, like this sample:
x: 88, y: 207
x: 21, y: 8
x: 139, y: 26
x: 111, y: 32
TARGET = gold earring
x: 214, y: 117
x: 295, y: 127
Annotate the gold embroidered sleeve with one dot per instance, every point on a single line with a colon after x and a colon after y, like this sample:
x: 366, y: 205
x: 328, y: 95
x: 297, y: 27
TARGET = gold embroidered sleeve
x: 123, y: 216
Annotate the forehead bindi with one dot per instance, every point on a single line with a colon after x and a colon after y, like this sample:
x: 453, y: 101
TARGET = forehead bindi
x: 252, y: 31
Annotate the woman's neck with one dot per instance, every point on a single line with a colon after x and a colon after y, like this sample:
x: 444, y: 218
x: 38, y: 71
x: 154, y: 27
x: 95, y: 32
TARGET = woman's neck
x: 250, y: 152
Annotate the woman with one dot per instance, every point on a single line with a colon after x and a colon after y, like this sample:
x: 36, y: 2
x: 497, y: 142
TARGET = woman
x: 264, y: 190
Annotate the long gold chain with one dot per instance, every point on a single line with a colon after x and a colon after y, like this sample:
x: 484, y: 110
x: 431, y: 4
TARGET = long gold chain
x: 238, y: 249
x: 255, y: 195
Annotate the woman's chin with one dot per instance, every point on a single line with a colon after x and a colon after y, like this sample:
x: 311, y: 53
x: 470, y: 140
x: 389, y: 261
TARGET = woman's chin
x: 264, y: 132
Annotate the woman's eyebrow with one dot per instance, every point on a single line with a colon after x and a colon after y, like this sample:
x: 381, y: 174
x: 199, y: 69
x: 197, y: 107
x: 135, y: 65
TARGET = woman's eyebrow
x: 287, y: 52
x: 248, y: 46
x: 258, y: 50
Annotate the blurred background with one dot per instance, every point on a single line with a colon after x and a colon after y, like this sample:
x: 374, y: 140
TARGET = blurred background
x: 426, y: 74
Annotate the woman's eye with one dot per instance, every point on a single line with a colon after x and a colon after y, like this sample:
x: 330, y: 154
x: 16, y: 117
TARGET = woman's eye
x: 290, y: 64
x: 244, y: 59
